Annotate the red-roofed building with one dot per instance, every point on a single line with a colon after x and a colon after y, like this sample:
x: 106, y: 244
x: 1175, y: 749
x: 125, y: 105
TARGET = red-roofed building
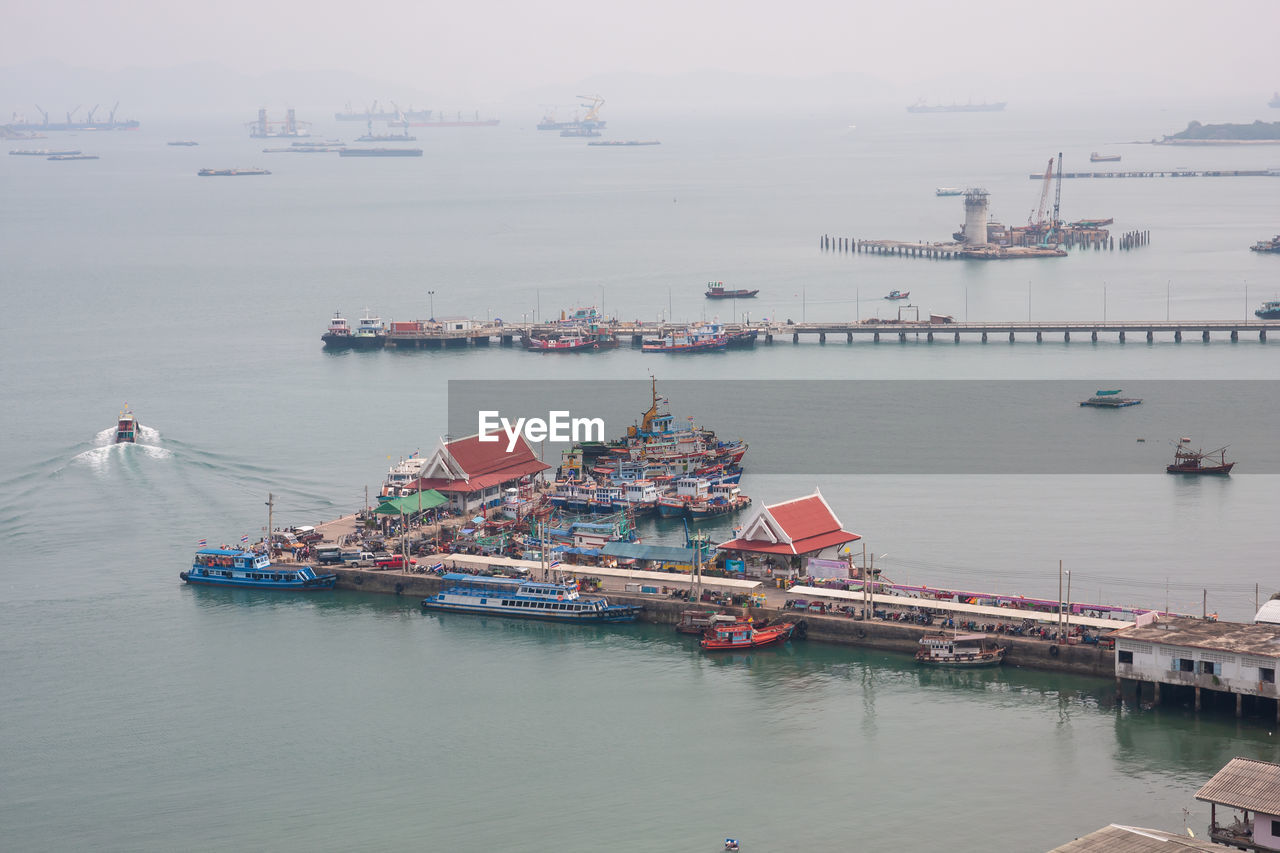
x: 472, y: 473
x: 788, y: 534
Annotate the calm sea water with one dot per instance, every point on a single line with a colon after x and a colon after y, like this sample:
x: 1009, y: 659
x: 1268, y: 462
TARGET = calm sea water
x: 142, y: 714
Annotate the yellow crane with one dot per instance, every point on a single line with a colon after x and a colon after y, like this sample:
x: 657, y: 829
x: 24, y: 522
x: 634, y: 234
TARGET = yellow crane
x: 1036, y: 219
x: 593, y: 108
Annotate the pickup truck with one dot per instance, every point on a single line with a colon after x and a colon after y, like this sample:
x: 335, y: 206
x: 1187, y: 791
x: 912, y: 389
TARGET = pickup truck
x: 393, y: 561
x: 359, y: 558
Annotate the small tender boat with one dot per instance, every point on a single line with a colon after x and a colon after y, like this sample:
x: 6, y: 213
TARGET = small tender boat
x: 126, y: 427
x: 233, y: 567
x: 745, y: 635
x: 1110, y: 400
x: 1187, y: 461
x: 700, y: 621
x: 716, y: 290
x: 959, y: 650
x: 899, y: 294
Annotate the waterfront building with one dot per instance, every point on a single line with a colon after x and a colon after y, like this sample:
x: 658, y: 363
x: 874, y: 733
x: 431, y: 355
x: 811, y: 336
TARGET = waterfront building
x: 780, y: 539
x: 1133, y: 839
x: 473, y: 474
x: 457, y: 324
x: 1253, y: 788
x: 1183, y: 654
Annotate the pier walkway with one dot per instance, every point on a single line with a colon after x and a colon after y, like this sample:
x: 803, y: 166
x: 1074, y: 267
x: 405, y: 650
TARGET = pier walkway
x: 924, y: 331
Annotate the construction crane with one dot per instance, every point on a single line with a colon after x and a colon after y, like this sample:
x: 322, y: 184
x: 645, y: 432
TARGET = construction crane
x: 593, y: 109
x: 43, y: 113
x: 89, y: 118
x: 1036, y: 218
x: 111, y: 116
x: 1057, y: 197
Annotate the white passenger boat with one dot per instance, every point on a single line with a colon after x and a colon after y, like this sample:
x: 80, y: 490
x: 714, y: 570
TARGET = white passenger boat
x: 524, y: 599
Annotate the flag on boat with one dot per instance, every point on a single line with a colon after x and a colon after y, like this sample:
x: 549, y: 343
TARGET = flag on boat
x: 244, y: 538
x: 437, y: 567
x: 203, y: 542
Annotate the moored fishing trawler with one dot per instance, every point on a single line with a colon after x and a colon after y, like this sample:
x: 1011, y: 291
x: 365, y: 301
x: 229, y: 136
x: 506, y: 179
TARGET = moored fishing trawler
x: 745, y: 635
x: 524, y: 599
x: 1187, y: 461
x: 233, y: 567
x: 126, y: 427
x: 716, y: 290
x: 959, y: 650
x: 1269, y: 310
x: 710, y: 336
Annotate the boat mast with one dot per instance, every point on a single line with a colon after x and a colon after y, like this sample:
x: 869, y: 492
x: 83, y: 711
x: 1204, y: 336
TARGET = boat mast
x: 271, y: 505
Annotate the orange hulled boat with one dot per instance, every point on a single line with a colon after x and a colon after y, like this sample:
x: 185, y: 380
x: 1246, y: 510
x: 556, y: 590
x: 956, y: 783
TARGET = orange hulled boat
x: 745, y: 635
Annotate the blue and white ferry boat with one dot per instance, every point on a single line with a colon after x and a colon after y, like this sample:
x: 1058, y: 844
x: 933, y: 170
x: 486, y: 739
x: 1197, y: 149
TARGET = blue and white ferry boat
x: 525, y: 599
x: 251, y: 570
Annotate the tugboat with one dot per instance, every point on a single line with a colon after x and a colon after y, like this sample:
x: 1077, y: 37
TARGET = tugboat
x: 233, y: 567
x: 1268, y: 311
x: 716, y: 290
x: 369, y: 334
x: 1187, y: 461
x: 745, y: 635
x: 959, y: 650
x: 126, y: 427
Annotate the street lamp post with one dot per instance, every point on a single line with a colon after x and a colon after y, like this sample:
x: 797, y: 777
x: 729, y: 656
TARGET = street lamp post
x: 431, y: 303
x: 1068, y: 614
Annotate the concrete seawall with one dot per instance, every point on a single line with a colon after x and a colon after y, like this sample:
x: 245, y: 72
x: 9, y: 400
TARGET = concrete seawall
x: 1087, y: 660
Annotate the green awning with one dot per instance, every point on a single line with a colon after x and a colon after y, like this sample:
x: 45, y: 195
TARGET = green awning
x: 409, y: 504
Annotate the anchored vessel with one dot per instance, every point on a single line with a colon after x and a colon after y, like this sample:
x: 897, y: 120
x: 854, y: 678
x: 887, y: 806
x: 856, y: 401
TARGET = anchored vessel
x: 1110, y: 400
x: 1272, y: 245
x: 230, y: 173
x: 948, y: 191
x: 959, y: 650
x: 898, y: 294
x: 369, y: 334
x: 251, y: 570
x: 380, y: 152
x: 1268, y: 311
x: 525, y: 600
x: 126, y: 427
x: 1095, y: 157
x: 1187, y: 461
x: 710, y: 336
x: 716, y: 290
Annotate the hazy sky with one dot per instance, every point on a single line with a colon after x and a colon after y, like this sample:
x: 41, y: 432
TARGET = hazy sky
x: 488, y: 48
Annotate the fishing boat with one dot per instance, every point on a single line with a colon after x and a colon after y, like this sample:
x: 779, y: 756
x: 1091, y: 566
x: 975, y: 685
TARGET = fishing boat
x: 230, y: 173
x: 716, y: 290
x: 1095, y: 157
x: 707, y: 337
x: 899, y: 294
x: 126, y: 427
x: 948, y: 191
x: 524, y: 599
x: 233, y: 567
x: 1110, y: 400
x: 745, y: 635
x: 1188, y: 461
x: 959, y: 650
x: 1268, y: 311
x: 1267, y: 247
x: 370, y: 334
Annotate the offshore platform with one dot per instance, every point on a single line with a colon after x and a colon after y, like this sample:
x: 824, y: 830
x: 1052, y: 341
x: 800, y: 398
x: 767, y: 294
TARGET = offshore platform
x: 263, y: 128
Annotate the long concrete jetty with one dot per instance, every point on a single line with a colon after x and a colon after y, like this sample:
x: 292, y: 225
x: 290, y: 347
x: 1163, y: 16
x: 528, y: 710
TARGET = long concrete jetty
x: 937, y: 329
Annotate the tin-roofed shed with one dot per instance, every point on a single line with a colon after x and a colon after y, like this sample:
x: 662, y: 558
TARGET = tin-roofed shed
x: 1253, y: 788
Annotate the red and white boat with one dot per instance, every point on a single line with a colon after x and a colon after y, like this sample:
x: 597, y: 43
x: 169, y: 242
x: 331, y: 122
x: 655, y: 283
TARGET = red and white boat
x: 710, y: 336
x: 563, y: 343
x: 126, y: 428
x: 745, y: 635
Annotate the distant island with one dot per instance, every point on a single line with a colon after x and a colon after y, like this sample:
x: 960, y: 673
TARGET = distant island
x: 1225, y: 134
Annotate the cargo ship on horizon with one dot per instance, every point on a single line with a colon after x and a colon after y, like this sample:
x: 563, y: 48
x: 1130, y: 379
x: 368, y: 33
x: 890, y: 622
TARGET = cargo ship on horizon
x: 921, y: 107
x: 457, y: 121
x: 375, y: 114
x: 19, y: 122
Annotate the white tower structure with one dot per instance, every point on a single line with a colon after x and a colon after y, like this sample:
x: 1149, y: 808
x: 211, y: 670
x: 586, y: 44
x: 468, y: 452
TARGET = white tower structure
x: 975, y: 217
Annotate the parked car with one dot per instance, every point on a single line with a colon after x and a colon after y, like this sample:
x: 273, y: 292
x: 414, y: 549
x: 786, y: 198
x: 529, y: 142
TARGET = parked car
x: 393, y: 561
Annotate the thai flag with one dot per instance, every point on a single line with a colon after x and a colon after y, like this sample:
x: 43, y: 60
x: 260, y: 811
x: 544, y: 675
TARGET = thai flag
x: 203, y: 542
x: 244, y: 538
x: 437, y: 567
x: 555, y: 563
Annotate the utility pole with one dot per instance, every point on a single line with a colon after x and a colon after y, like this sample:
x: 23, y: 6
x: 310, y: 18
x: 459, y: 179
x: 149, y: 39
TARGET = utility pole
x: 270, y: 509
x: 1068, y: 606
x: 1059, y: 599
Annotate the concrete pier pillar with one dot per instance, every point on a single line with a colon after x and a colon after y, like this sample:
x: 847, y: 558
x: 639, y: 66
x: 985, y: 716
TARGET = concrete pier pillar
x: 848, y: 337
x: 1010, y: 337
x: 822, y: 337
x: 1122, y: 336
x: 984, y: 337
x: 1204, y: 336
x: 1239, y: 705
x: 795, y: 337
x: 929, y: 337
x: 1066, y: 336
x: 902, y: 337
x: 1177, y: 336
x: 957, y: 339
x: 1197, y: 697
x: 1039, y: 336
x: 875, y: 338
x: 1157, y: 692
x: 768, y: 338
x: 1235, y: 335
x: 1093, y: 336
x: 1120, y: 689
x: 1151, y: 336
x: 1262, y: 335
